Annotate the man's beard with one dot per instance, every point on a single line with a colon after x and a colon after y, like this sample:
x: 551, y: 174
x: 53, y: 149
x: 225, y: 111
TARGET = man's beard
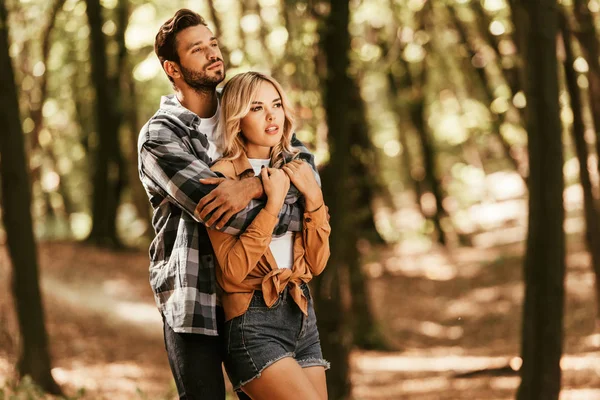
x: 199, y: 80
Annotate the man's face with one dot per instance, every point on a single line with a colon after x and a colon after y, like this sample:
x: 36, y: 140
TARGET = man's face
x: 200, y: 58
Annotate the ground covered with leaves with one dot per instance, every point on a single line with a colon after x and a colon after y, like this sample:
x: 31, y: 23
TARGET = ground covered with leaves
x: 452, y: 320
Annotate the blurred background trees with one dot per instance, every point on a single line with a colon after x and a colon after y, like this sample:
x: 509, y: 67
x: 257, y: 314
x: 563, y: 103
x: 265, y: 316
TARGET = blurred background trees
x: 437, y: 127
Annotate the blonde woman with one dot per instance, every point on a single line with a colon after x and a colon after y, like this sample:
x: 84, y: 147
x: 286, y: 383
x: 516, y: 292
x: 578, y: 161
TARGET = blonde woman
x: 272, y: 343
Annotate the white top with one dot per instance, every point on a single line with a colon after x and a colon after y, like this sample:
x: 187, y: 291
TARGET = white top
x: 282, y: 247
x: 208, y: 127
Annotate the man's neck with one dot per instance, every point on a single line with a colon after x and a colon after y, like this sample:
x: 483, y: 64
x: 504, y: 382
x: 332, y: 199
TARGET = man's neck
x: 202, y: 103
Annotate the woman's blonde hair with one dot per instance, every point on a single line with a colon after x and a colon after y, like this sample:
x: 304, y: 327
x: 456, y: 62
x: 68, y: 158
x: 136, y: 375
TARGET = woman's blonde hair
x: 236, y: 102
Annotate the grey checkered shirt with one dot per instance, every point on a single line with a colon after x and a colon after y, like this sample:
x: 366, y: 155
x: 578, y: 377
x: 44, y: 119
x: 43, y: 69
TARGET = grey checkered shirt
x: 172, y: 158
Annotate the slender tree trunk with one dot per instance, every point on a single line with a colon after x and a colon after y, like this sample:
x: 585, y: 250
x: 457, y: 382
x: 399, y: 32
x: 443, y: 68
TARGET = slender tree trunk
x: 417, y: 112
x: 34, y: 358
x: 38, y: 118
x: 336, y: 336
x: 487, y: 89
x: 544, y: 267
x: 130, y: 122
x: 364, y: 167
x: 510, y: 74
x: 364, y: 185
x: 592, y: 219
x: 396, y: 86
x: 106, y: 178
x: 588, y: 38
x: 416, y: 107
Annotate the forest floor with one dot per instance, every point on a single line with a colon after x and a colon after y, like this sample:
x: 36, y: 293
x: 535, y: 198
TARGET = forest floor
x: 443, y: 314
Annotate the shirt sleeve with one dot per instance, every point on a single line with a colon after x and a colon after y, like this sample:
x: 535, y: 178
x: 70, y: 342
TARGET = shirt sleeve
x: 294, y: 194
x: 238, y: 255
x: 315, y: 236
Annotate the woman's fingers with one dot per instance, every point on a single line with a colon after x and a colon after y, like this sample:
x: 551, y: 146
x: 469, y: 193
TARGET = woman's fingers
x: 264, y: 174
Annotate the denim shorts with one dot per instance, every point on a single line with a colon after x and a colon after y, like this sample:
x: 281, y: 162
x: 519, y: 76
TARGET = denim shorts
x: 263, y: 335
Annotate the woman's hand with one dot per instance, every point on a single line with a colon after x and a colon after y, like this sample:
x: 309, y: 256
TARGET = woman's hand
x: 276, y: 185
x: 302, y: 176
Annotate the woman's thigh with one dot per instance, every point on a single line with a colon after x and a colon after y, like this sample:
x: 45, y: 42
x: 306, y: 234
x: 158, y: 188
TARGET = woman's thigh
x: 316, y: 376
x: 283, y: 380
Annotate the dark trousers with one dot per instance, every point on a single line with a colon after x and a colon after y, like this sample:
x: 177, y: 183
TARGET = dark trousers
x: 195, y: 362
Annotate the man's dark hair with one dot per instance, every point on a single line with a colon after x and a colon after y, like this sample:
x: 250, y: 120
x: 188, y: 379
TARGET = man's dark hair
x: 165, y: 44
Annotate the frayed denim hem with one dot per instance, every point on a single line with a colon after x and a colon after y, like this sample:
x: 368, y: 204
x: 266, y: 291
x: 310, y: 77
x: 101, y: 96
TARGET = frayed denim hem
x: 238, y: 387
x: 314, y: 362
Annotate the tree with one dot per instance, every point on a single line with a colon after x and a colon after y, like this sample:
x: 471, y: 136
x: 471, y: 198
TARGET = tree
x: 544, y: 267
x: 34, y: 359
x: 591, y: 50
x: 108, y: 172
x: 334, y: 332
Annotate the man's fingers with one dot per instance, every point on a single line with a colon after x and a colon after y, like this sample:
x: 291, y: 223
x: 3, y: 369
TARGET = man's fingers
x: 217, y: 214
x: 225, y: 218
x: 211, y: 181
x: 209, y: 208
x: 206, y: 199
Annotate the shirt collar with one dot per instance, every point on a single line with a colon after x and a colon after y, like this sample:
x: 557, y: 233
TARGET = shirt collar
x: 241, y: 165
x: 171, y: 105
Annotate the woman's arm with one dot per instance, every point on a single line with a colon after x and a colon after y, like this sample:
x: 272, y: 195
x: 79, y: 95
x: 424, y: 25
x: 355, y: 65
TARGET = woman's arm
x: 315, y: 237
x: 238, y: 255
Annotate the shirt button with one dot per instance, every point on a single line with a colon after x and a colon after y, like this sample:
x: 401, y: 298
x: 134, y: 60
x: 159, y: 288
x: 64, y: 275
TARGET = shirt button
x: 308, y: 219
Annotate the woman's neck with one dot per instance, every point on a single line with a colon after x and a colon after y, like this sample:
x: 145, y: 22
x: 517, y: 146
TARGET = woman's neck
x: 258, y: 152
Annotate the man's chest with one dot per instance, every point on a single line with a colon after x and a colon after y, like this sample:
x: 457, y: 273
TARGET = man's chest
x: 202, y: 145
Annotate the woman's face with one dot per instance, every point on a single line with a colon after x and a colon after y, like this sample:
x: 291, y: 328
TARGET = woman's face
x: 262, y: 127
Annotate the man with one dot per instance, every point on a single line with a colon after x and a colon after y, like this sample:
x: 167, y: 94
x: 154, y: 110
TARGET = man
x: 176, y: 147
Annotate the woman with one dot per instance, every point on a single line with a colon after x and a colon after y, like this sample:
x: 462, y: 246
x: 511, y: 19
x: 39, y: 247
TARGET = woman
x: 271, y: 338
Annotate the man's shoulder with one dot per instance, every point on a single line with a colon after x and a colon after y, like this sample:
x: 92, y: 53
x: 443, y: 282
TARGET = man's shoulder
x: 163, y: 125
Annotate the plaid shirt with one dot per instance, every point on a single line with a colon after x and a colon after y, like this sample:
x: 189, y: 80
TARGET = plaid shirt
x: 172, y: 158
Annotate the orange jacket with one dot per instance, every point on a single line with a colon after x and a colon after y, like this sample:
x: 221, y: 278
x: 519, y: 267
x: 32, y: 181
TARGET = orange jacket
x: 245, y: 262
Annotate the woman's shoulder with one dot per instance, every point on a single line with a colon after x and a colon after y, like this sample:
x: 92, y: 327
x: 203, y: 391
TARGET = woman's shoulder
x: 225, y: 167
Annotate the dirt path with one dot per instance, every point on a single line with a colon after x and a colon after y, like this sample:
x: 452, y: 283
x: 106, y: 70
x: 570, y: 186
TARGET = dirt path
x: 444, y: 317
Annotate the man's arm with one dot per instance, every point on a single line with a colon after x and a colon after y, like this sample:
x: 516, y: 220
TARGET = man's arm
x: 290, y: 215
x: 170, y: 165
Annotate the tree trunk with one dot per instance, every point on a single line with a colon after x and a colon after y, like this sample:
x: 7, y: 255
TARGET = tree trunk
x: 335, y: 333
x: 487, y: 89
x: 510, y: 74
x: 38, y: 118
x: 592, y: 219
x: 364, y: 184
x: 107, y: 174
x: 364, y: 168
x: 416, y: 112
x: 396, y: 86
x: 417, y: 116
x: 131, y: 123
x: 34, y: 358
x: 587, y: 36
x: 544, y: 267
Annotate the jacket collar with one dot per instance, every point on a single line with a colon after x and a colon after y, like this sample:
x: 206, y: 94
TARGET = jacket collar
x: 241, y: 165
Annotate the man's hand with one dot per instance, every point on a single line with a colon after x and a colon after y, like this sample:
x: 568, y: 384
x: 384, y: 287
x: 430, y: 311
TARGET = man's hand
x: 227, y: 199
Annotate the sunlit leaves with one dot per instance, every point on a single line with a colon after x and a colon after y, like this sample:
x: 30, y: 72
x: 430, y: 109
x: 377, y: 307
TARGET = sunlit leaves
x: 147, y: 69
x: 250, y: 23
x: 494, y: 5
x: 141, y: 33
